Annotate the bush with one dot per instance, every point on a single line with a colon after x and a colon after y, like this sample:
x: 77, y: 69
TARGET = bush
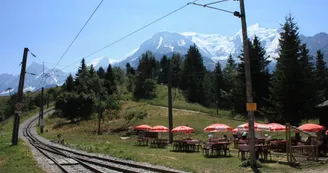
x: 74, y: 106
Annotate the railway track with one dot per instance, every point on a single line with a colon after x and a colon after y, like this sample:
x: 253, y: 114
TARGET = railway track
x: 72, y: 161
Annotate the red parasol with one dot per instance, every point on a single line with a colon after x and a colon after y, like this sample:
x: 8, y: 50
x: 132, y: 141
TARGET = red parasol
x: 235, y: 130
x: 159, y: 129
x: 257, y: 126
x: 312, y: 127
x: 144, y: 127
x: 276, y: 127
x: 183, y: 129
x: 217, y: 128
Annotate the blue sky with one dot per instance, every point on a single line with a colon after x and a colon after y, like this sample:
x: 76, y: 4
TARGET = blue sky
x: 48, y: 27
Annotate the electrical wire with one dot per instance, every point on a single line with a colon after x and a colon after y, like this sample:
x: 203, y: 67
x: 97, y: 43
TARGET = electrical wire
x: 35, y: 56
x: 77, y: 35
x: 215, y: 8
x: 135, y: 31
x: 10, y: 75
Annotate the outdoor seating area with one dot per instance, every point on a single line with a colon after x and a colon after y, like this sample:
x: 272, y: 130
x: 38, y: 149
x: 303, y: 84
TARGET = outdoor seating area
x: 187, y: 145
x: 220, y: 146
x: 213, y: 148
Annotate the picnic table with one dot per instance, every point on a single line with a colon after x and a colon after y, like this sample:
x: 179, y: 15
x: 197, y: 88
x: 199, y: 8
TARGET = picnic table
x: 260, y: 150
x: 143, y: 141
x: 186, y: 145
x: 158, y: 143
x: 216, y: 148
x: 278, y: 145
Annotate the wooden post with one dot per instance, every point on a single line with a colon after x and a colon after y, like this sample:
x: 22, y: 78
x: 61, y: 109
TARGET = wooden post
x: 19, y: 98
x: 249, y: 91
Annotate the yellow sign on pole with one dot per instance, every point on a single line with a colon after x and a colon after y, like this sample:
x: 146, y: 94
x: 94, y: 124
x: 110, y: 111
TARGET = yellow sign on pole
x: 251, y: 107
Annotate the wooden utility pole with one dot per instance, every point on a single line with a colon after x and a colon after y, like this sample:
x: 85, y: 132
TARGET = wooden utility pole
x: 41, y: 111
x: 169, y: 91
x: 19, y: 103
x: 100, y: 111
x: 249, y: 91
x: 216, y: 93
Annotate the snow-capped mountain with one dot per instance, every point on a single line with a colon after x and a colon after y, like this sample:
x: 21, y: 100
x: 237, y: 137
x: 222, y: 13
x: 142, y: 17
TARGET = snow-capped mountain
x: 162, y: 43
x: 215, y: 47
x: 219, y: 47
x: 34, y: 79
x: 102, y: 62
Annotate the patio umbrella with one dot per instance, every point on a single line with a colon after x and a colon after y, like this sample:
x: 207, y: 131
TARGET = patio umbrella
x: 236, y: 130
x: 183, y: 129
x: 257, y: 126
x: 159, y: 128
x: 143, y: 127
x: 276, y: 127
x: 217, y: 128
x: 312, y: 127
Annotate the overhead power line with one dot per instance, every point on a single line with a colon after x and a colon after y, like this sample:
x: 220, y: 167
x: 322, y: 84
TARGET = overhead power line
x: 78, y: 34
x: 35, y: 56
x: 135, y: 31
x: 10, y: 75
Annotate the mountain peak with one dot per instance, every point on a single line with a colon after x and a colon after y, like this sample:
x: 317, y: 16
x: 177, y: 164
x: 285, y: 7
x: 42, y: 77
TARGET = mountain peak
x: 254, y: 26
x: 35, y: 68
x: 102, y: 61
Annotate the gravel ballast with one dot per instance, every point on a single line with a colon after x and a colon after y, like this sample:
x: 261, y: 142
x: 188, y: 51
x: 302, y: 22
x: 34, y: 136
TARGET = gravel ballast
x: 46, y: 164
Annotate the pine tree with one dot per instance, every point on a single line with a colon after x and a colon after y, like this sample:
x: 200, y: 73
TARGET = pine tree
x: 260, y: 78
x: 145, y: 73
x: 321, y: 79
x: 218, y: 84
x: 129, y: 69
x: 193, y: 76
x: 119, y: 75
x: 260, y: 73
x: 101, y: 73
x: 110, y: 80
x: 69, y: 83
x: 209, y: 88
x: 82, y: 68
x: 92, y: 70
x: 230, y: 73
x: 309, y: 93
x: 82, y: 78
x: 229, y: 78
x: 176, y: 68
x: 285, y: 95
x: 164, y: 69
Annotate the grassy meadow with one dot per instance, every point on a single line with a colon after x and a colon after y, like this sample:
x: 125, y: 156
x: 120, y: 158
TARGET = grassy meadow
x: 15, y: 159
x: 83, y: 136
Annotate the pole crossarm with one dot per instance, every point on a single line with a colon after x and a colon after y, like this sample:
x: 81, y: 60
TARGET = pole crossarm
x: 216, y: 2
x: 235, y: 13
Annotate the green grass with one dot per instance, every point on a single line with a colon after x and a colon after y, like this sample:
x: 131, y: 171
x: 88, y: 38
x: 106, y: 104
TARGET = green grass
x: 179, y: 102
x: 15, y: 158
x: 4, y: 99
x: 83, y: 136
